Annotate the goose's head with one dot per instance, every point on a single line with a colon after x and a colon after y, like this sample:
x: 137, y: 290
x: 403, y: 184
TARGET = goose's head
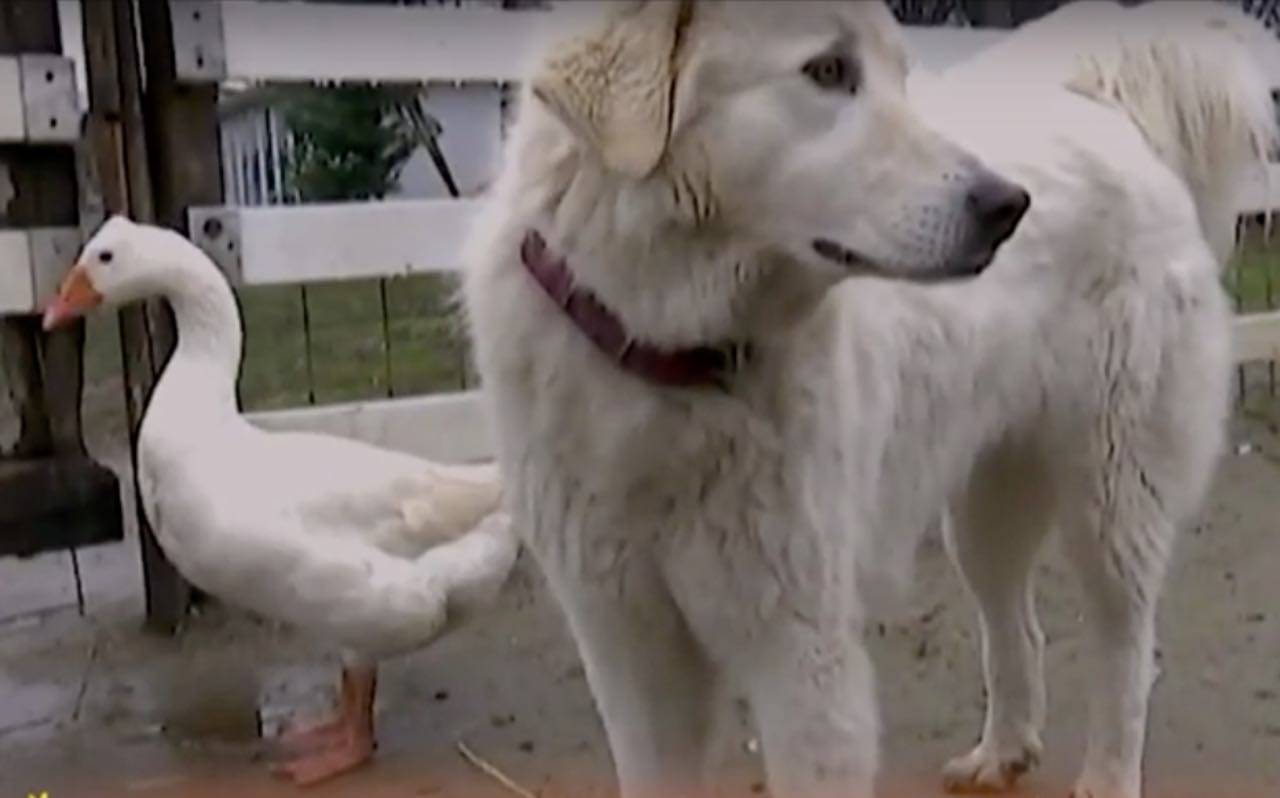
x: 123, y: 262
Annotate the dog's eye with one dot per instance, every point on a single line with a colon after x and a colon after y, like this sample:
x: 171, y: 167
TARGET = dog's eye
x: 832, y: 72
x: 105, y: 256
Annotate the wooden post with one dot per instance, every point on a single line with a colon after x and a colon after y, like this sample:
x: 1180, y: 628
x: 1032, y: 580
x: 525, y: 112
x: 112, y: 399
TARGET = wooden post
x: 183, y: 149
x: 119, y: 131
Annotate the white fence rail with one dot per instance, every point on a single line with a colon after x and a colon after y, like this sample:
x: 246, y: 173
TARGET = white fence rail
x: 310, y: 243
x: 1262, y: 194
x: 447, y: 427
x: 241, y: 40
x: 250, y: 41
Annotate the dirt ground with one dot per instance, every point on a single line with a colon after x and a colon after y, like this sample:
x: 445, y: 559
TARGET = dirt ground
x: 94, y: 708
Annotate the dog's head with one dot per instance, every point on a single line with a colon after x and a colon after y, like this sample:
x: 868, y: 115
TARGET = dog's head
x: 784, y: 123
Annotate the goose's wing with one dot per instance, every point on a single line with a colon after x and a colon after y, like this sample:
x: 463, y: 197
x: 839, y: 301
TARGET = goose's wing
x: 396, y: 502
x: 267, y: 560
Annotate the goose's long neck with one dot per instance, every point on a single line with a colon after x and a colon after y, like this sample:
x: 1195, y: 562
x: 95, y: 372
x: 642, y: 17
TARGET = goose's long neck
x: 209, y: 346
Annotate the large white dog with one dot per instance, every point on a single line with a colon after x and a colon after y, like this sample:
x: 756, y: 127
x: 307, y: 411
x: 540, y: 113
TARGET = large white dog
x: 728, y: 405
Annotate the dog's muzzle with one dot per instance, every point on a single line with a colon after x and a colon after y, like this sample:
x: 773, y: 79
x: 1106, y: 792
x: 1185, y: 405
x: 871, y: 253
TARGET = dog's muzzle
x: 993, y: 206
x: 996, y: 207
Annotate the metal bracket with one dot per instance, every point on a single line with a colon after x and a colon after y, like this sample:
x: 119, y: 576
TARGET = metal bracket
x: 199, y: 48
x: 51, y: 102
x: 216, y: 230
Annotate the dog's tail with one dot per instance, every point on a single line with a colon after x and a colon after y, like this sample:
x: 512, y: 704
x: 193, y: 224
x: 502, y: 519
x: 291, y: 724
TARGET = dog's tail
x: 1186, y: 74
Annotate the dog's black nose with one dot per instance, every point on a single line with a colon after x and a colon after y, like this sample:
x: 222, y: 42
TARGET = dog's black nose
x: 997, y: 206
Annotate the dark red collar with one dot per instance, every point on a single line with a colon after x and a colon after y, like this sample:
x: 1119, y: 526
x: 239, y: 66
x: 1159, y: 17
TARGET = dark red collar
x: 698, y: 366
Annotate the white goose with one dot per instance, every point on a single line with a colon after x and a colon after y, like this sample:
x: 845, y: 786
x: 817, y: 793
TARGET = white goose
x: 371, y: 549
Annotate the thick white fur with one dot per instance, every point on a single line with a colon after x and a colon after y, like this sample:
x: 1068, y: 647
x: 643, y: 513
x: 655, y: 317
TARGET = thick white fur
x: 703, y: 541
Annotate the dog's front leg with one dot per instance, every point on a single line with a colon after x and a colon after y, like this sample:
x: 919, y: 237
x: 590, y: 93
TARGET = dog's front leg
x: 654, y: 690
x: 813, y: 697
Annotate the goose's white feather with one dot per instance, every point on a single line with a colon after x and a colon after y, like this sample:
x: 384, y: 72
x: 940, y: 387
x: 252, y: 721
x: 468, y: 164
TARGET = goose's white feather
x: 355, y: 544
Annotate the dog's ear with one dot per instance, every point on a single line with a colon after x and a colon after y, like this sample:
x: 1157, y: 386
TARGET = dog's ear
x: 614, y: 88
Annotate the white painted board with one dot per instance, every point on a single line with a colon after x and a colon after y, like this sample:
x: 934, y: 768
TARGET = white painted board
x: 307, y: 243
x: 1262, y: 193
x: 292, y: 41
x: 448, y: 428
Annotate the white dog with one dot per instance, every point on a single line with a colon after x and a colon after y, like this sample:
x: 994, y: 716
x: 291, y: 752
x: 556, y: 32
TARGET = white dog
x: 723, y: 427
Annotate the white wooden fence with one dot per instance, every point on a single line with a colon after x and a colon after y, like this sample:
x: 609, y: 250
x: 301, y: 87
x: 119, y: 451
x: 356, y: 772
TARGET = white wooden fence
x: 38, y: 105
x: 245, y: 42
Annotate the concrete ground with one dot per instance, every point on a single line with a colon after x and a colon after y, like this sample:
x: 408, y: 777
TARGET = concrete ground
x: 91, y: 707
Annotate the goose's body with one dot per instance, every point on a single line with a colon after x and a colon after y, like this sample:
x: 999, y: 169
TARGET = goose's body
x: 370, y: 549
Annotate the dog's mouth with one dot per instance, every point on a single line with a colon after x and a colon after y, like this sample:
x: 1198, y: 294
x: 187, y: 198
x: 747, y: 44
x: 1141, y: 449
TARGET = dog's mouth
x: 971, y: 265
x: 838, y: 253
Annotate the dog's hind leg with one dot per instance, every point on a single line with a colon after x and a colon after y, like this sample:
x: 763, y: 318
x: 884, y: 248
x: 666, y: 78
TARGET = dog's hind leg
x: 997, y: 526
x: 654, y: 689
x: 1120, y: 549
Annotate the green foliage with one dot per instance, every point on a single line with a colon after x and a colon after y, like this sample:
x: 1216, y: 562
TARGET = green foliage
x: 350, y: 142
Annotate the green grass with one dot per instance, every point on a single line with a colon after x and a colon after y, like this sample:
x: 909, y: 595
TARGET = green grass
x: 1254, y: 276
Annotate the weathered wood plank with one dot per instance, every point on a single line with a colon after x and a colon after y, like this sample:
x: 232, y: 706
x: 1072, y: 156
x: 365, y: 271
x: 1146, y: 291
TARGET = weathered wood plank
x: 40, y: 190
x: 52, y: 494
x: 117, y: 134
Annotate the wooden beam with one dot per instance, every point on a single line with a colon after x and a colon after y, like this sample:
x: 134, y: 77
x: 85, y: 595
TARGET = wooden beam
x: 183, y: 158
x: 117, y: 133
x: 296, y: 42
x: 30, y: 26
x: 53, y: 495
x: 40, y: 189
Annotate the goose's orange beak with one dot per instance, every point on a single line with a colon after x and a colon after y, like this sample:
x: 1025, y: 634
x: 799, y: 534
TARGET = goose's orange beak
x: 76, y: 297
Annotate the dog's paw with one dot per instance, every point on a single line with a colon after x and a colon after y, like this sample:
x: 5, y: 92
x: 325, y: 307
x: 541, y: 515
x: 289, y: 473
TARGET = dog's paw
x: 1088, y: 787
x: 987, y: 770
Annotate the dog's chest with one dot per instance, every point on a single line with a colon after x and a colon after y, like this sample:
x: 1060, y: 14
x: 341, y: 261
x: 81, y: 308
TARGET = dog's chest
x: 606, y: 467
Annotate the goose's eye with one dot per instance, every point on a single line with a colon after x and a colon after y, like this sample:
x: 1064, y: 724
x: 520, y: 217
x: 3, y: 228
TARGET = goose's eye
x: 833, y: 72
x: 105, y: 256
